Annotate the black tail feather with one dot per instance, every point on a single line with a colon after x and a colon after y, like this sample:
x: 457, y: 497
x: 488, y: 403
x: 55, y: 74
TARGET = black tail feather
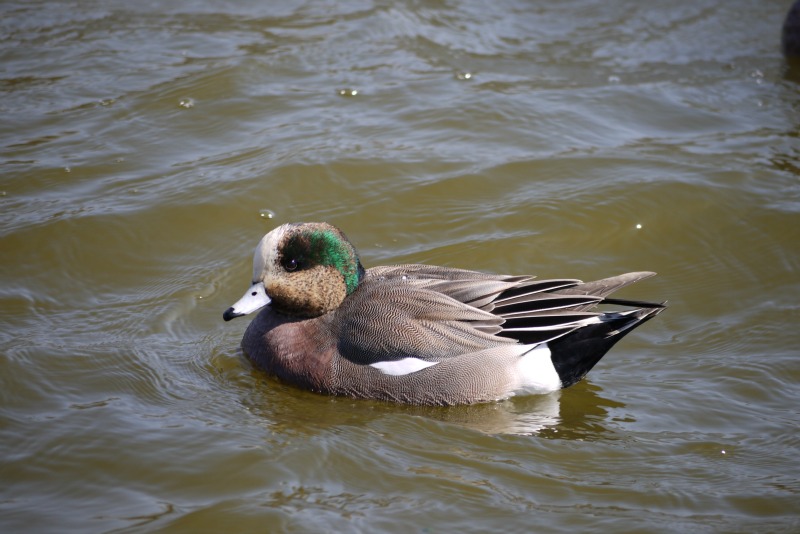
x: 575, y: 354
x: 634, y: 303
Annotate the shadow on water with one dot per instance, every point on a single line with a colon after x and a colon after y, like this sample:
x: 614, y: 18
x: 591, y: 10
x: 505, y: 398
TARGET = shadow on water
x: 578, y: 413
x: 792, y: 71
x: 790, y: 42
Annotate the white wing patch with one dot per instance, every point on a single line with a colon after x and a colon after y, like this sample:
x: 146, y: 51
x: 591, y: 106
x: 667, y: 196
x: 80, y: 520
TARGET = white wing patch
x: 406, y: 366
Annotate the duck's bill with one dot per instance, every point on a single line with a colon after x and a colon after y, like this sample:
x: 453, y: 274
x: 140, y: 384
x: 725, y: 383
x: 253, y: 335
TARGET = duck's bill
x: 255, y: 299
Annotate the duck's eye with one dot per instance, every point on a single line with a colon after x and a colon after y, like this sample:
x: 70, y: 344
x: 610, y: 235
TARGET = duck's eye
x: 291, y: 265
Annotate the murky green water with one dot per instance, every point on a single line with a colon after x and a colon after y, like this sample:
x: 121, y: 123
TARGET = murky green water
x: 140, y: 142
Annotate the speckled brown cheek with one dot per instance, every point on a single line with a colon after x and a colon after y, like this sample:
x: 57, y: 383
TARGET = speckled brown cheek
x: 308, y: 293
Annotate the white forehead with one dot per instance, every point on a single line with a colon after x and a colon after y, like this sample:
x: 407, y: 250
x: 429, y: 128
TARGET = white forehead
x: 266, y: 253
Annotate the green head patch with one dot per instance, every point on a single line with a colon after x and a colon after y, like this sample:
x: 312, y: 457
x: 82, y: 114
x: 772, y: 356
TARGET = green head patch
x: 325, y: 245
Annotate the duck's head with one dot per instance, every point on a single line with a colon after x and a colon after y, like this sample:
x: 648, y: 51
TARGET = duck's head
x: 301, y: 269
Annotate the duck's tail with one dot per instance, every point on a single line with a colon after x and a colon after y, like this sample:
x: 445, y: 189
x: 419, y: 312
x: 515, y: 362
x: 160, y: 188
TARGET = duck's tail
x: 575, y: 354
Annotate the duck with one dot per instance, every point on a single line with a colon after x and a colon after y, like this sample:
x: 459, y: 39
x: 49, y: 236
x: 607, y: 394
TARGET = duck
x: 421, y: 334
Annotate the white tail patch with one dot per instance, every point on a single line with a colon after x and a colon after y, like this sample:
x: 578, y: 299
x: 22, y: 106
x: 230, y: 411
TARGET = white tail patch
x: 536, y: 372
x: 406, y: 366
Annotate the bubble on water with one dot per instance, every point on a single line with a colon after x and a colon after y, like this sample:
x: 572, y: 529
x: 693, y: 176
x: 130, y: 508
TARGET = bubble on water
x: 463, y: 75
x: 67, y: 169
x: 266, y: 214
x: 639, y: 226
x: 758, y: 76
x: 186, y: 103
x: 107, y: 101
x: 347, y: 92
x: 613, y: 79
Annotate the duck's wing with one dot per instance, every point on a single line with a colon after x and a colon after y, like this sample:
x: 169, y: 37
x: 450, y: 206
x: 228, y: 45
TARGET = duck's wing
x: 541, y: 311
x: 469, y: 287
x: 606, y: 286
x: 387, y: 320
x: 430, y: 312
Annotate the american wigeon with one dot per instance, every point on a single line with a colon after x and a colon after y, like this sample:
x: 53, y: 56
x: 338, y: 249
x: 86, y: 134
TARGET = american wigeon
x: 421, y: 334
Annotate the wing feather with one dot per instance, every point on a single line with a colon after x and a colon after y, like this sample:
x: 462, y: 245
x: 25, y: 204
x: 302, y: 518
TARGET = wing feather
x: 432, y: 313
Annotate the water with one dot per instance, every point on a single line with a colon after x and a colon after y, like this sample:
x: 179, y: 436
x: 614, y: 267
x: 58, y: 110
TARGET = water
x: 144, y: 147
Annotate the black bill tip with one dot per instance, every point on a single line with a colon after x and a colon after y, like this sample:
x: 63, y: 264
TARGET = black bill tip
x: 230, y: 314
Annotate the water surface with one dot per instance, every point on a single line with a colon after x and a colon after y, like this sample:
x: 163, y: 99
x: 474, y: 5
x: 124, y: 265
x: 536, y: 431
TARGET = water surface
x: 143, y: 148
